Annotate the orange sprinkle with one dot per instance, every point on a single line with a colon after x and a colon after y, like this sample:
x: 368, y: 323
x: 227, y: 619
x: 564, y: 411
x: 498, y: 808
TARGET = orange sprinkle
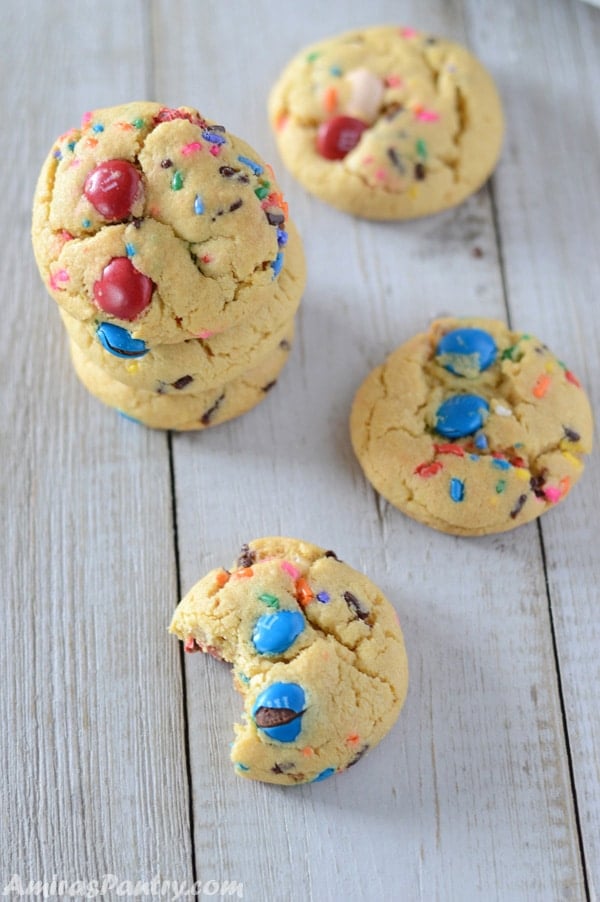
x: 353, y: 738
x: 542, y: 385
x: 281, y: 121
x: 91, y: 142
x: 244, y: 572
x: 564, y: 485
x: 308, y: 752
x: 330, y: 99
x: 125, y: 126
x: 304, y: 593
x: 222, y: 577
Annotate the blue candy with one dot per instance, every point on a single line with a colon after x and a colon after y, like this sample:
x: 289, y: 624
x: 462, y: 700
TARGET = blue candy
x: 119, y: 342
x: 461, y: 415
x: 275, y: 633
x: 285, y: 697
x: 467, y: 349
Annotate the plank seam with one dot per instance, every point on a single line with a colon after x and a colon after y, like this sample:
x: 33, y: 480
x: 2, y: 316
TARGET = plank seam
x: 563, y: 713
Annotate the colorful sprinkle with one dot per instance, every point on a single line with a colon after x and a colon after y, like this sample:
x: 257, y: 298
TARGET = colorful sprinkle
x: 213, y: 138
x: 256, y: 168
x: 424, y: 115
x: 421, y: 148
x: 572, y: 379
x: 393, y: 81
x: 328, y: 772
x: 190, y: 148
x: 262, y: 191
x: 541, y: 386
x: 277, y: 264
x: 242, y: 767
x: 457, y: 450
x: 500, y: 463
x: 130, y: 250
x: 243, y: 678
x: 290, y: 570
x: 222, y: 578
x: 177, y: 180
x: 311, y: 57
x: 330, y: 99
x: 428, y: 469
x: 552, y: 493
x: 500, y: 486
x: 271, y: 601
x: 191, y: 646
x: 323, y: 597
x: 57, y: 279
x: 457, y: 489
x: 138, y: 123
x: 243, y: 573
x: 98, y: 127
x: 353, y: 738
x: 502, y: 411
x: 481, y: 441
x: 282, y: 237
x: 198, y: 205
x: 304, y: 593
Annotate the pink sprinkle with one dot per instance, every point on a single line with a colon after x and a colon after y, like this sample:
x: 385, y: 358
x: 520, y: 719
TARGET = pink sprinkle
x: 205, y: 334
x: 408, y: 32
x: 290, y: 569
x: 367, y: 160
x: 215, y: 149
x: 61, y: 276
x: 74, y: 162
x: 425, y: 115
x: 193, y: 146
x: 87, y: 118
x: 381, y: 174
x: 552, y: 493
x: 66, y: 236
x: 207, y: 258
x: 393, y: 81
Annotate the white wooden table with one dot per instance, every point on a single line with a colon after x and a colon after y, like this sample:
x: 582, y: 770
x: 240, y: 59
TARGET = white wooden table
x: 113, y: 748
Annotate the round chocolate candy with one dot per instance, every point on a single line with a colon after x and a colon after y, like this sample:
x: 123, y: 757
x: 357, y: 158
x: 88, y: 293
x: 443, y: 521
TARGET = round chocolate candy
x: 112, y: 188
x: 278, y: 711
x: 275, y: 633
x: 118, y: 341
x: 338, y: 136
x: 467, y: 352
x: 461, y: 415
x: 123, y: 290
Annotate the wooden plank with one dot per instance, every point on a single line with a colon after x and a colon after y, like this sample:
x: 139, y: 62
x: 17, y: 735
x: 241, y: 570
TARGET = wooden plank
x: 548, y: 193
x: 470, y: 795
x: 92, y: 745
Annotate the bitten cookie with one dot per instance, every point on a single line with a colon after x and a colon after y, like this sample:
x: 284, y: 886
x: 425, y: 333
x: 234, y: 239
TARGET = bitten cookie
x: 387, y: 122
x: 159, y: 222
x: 471, y: 427
x: 177, y: 406
x: 317, y: 652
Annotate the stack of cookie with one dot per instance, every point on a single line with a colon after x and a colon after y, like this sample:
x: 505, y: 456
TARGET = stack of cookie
x: 166, y: 242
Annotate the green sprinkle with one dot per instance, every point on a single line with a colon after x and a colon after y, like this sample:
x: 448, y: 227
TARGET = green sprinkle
x: 86, y: 223
x: 261, y: 192
x: 138, y: 123
x: 313, y: 56
x: 243, y: 678
x: 500, y: 486
x: 336, y: 71
x: 421, y: 148
x: 177, y: 181
x: 270, y: 600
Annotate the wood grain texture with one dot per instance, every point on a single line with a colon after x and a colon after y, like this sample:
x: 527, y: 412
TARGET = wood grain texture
x: 488, y: 787
x: 470, y: 796
x: 92, y: 760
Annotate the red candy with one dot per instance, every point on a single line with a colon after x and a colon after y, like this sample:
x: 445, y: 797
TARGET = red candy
x: 122, y: 290
x: 338, y: 136
x: 112, y: 188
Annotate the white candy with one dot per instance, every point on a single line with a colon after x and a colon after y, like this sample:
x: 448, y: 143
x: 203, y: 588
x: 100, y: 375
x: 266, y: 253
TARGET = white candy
x: 365, y: 96
x: 502, y: 411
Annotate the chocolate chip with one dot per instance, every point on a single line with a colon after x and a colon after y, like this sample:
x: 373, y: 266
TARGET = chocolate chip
x: 227, y: 171
x: 166, y: 164
x: 477, y: 252
x: 419, y: 172
x: 206, y: 416
x: 356, y: 606
x: 137, y: 223
x: 269, y: 386
x: 537, y: 484
x: 392, y: 111
x: 571, y: 435
x: 431, y: 41
x: 275, y: 717
x: 395, y: 158
x: 331, y: 554
x: 284, y: 344
x: 247, y: 557
x: 274, y: 218
x: 358, y: 756
x: 236, y: 205
x: 217, y: 128
x: 284, y: 768
x: 518, y: 506
x: 243, y: 178
x: 182, y: 382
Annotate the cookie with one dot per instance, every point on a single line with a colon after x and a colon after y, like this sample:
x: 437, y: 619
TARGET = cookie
x: 198, y: 363
x: 172, y: 407
x: 160, y: 222
x: 317, y: 653
x: 471, y: 427
x: 387, y: 122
